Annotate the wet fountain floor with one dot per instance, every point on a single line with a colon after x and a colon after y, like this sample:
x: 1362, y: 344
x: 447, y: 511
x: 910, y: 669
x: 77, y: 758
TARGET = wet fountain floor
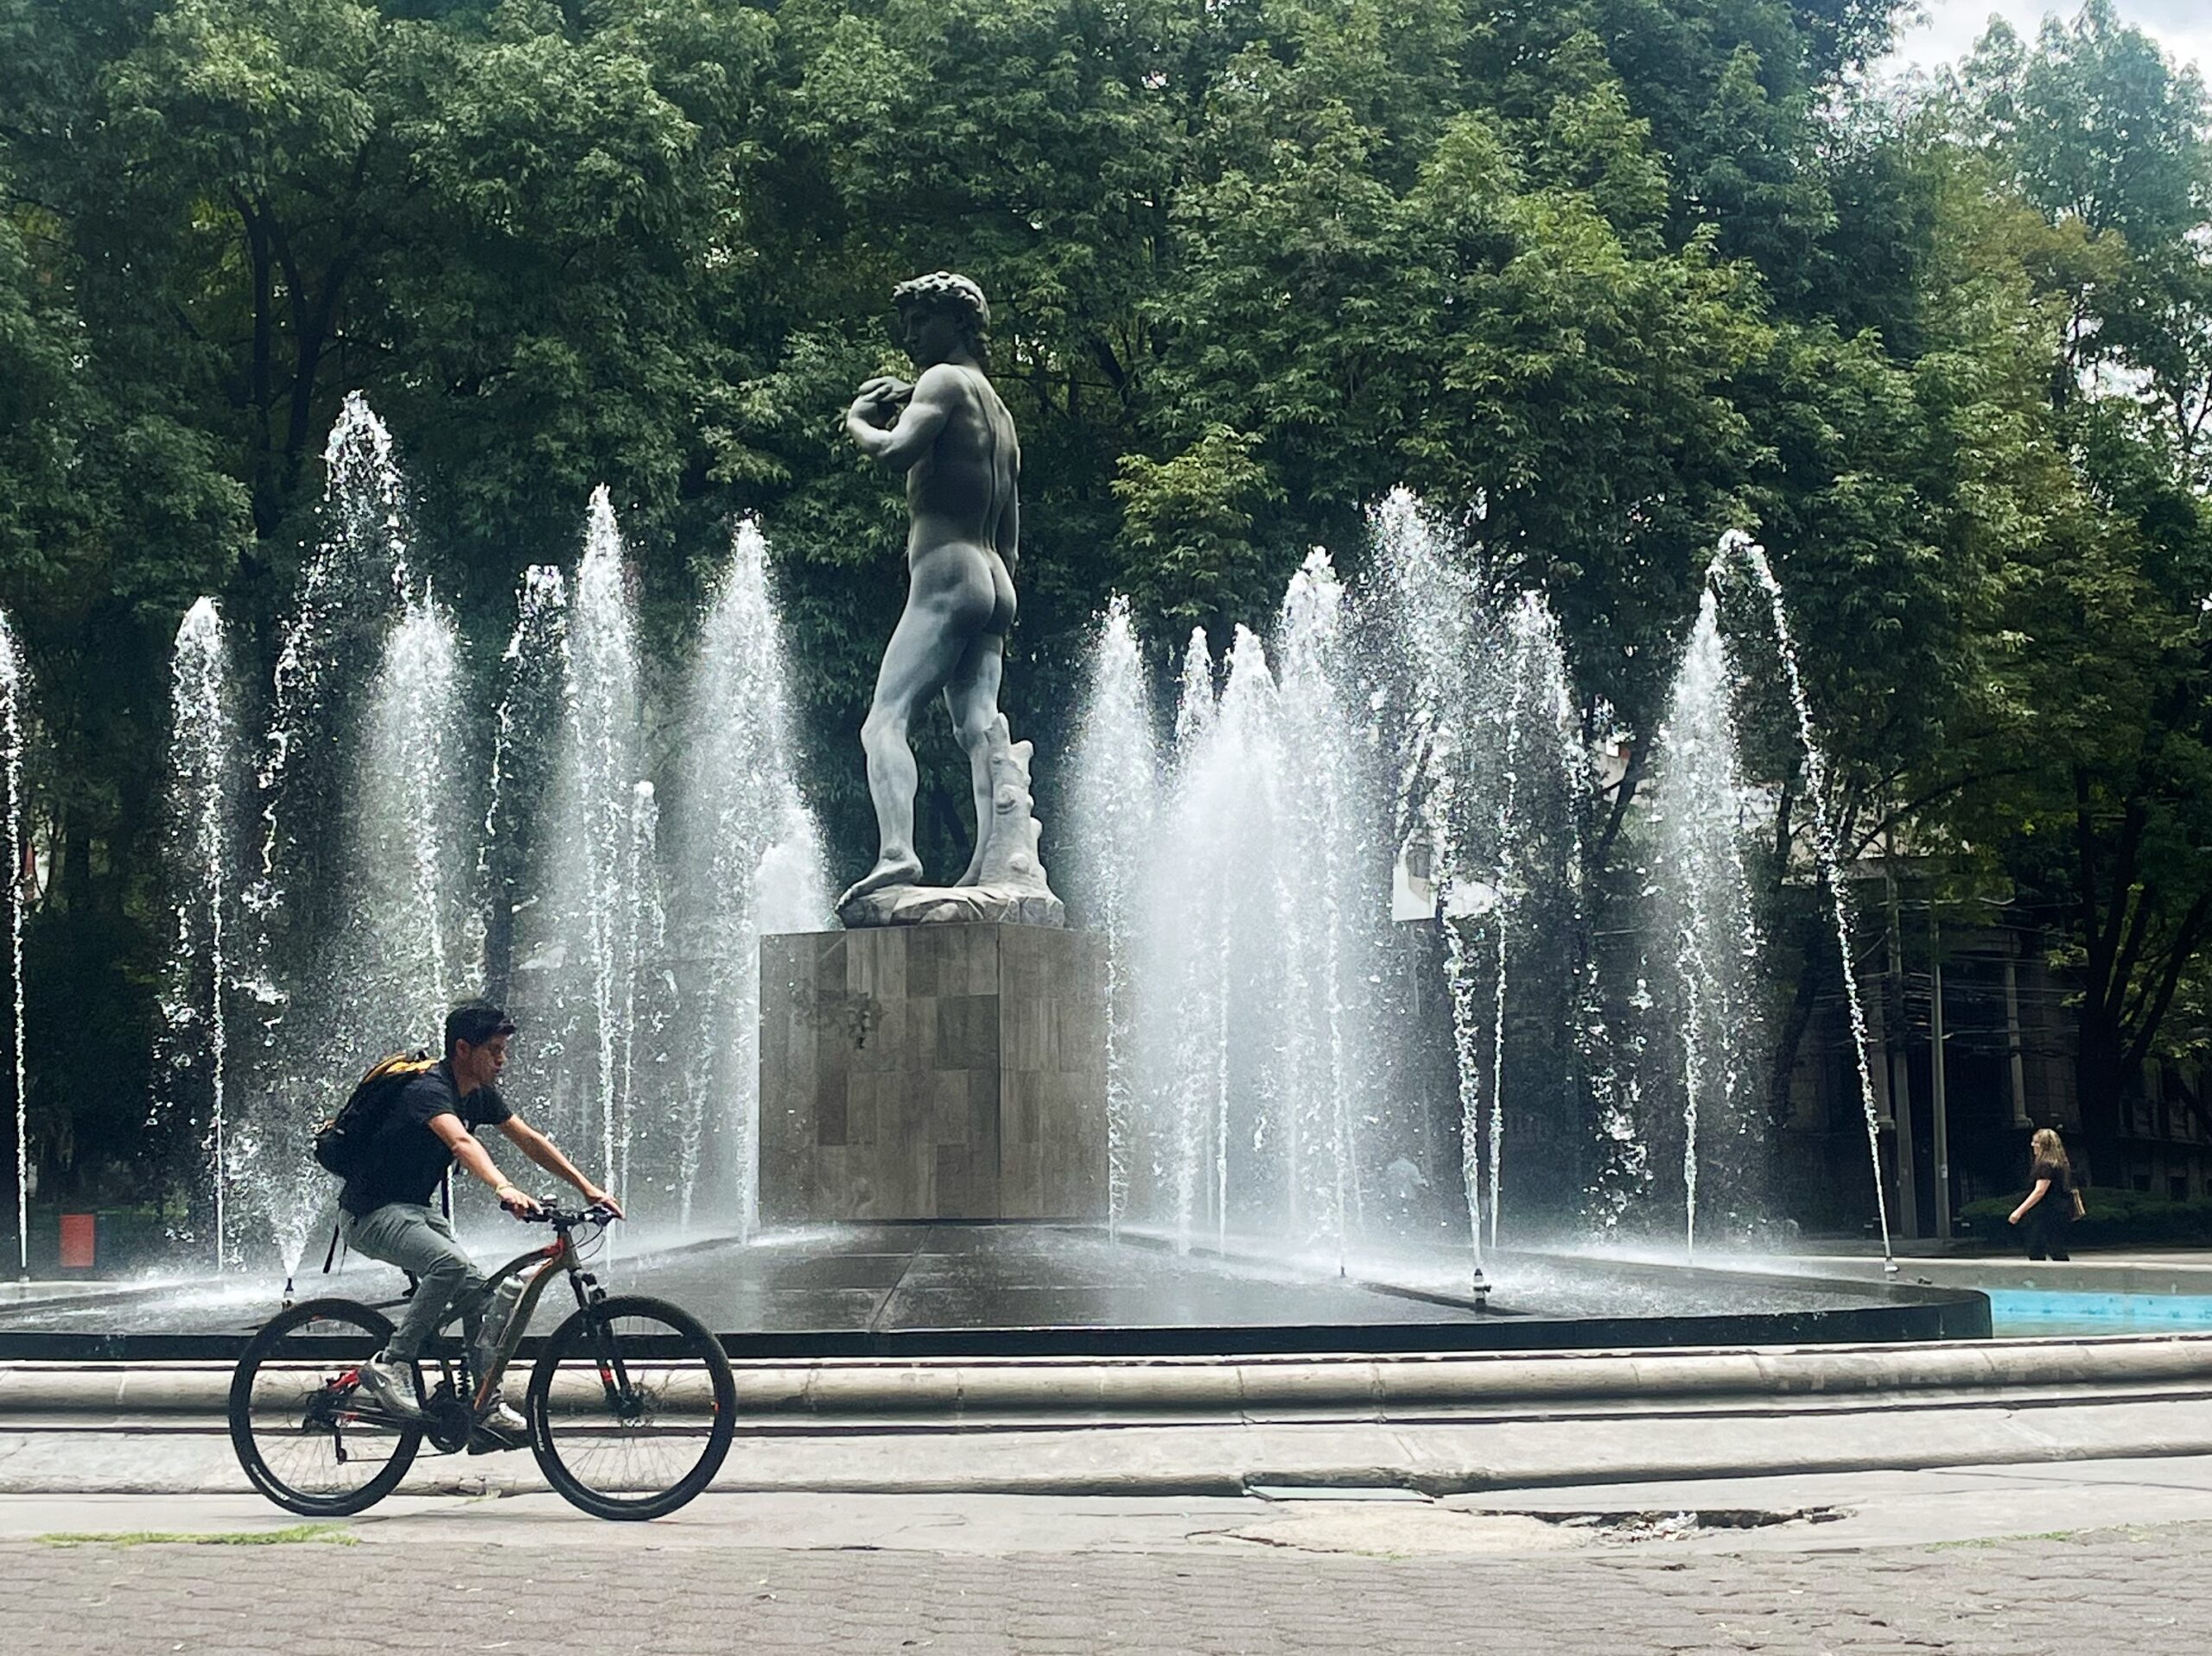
x: 1013, y: 1290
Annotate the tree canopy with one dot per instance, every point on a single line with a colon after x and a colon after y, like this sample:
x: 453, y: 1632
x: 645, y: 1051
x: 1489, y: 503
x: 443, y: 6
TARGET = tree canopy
x: 1599, y: 280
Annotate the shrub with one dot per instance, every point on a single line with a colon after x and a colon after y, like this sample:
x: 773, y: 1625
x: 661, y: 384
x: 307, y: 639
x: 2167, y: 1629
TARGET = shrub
x: 2114, y: 1219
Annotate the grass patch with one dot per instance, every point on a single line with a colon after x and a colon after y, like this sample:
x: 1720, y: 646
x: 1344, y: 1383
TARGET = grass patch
x: 333, y: 1534
x: 2002, y: 1540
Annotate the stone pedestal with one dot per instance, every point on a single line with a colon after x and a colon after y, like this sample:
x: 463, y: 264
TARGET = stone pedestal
x: 943, y: 1071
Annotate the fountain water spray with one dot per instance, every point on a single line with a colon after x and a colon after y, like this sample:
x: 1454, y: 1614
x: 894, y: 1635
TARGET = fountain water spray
x: 1624, y: 1174
x: 204, y: 758
x: 592, y: 983
x: 646, y: 939
x: 1192, y: 1010
x: 1492, y: 784
x: 1826, y: 847
x: 1246, y: 897
x: 605, y: 759
x: 1426, y: 602
x: 533, y: 690
x: 1256, y: 951
x: 1212, y: 917
x: 1116, y: 798
x: 749, y: 862
x: 300, y: 942
x: 1540, y: 785
x: 1247, y: 758
x: 1699, y: 806
x: 381, y: 939
x: 1319, y: 923
x: 356, y: 572
x: 12, y: 684
x: 1514, y: 714
x: 412, y: 832
x: 1244, y: 1089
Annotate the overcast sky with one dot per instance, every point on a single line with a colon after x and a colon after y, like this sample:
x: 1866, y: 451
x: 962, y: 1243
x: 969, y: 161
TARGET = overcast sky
x: 1949, y: 27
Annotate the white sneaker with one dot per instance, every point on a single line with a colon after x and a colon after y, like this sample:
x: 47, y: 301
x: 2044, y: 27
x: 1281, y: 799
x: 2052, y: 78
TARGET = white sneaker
x: 393, y: 1385
x: 506, y: 1420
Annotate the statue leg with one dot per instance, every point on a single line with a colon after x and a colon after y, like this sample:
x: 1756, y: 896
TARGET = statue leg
x: 971, y: 695
x: 922, y: 654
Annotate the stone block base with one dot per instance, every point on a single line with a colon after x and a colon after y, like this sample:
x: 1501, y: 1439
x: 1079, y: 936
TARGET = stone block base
x: 943, y: 1071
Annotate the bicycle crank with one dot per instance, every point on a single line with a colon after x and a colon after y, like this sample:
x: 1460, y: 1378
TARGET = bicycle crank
x: 447, y: 1420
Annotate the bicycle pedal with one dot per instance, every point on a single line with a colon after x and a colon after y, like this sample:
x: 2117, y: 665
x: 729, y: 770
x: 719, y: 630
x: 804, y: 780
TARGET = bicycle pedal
x: 490, y: 1440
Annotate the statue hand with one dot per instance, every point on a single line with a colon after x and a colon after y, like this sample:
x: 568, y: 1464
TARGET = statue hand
x: 880, y: 398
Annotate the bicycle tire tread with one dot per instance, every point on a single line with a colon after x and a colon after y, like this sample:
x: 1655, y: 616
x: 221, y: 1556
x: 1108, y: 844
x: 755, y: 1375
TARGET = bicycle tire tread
x: 720, y: 1435
x: 239, y: 1406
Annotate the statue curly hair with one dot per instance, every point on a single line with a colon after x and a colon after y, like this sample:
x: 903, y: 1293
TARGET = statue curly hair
x: 955, y: 295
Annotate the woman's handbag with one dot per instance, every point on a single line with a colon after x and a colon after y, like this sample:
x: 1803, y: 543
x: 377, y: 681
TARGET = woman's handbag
x: 2079, y: 1207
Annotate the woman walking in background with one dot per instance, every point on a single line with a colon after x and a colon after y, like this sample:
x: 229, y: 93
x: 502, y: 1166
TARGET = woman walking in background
x: 2050, y: 1205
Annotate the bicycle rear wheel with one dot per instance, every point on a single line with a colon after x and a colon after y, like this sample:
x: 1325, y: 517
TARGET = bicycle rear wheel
x: 632, y: 1408
x: 309, y: 1437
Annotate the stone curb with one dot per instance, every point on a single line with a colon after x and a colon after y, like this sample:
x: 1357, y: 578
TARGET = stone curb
x: 1160, y: 1458
x: 1378, y: 1384
x: 2147, y: 1278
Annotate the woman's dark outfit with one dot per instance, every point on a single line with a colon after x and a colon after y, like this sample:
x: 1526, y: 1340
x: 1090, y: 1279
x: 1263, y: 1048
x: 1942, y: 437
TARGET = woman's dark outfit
x: 2044, y: 1226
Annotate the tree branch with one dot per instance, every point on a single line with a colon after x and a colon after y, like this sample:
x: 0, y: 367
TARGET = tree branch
x: 2123, y: 969
x: 2187, y: 941
x: 1921, y: 802
x: 2117, y: 912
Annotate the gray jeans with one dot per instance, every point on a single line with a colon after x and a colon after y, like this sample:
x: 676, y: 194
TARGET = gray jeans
x: 420, y: 1240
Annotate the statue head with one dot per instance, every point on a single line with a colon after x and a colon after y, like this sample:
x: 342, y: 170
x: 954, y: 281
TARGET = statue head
x: 954, y: 298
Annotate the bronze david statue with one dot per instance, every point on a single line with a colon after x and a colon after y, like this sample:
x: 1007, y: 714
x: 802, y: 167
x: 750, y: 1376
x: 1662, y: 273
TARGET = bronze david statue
x: 952, y: 437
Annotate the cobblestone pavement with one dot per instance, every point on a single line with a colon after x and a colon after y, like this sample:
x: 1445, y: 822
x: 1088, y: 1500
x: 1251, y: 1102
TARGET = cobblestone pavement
x: 2106, y: 1592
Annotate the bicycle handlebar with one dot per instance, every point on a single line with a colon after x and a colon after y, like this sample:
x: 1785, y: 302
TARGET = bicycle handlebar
x: 551, y: 1213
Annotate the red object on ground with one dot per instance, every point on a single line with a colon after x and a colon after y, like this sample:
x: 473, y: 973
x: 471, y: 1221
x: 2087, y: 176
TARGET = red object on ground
x: 79, y: 1231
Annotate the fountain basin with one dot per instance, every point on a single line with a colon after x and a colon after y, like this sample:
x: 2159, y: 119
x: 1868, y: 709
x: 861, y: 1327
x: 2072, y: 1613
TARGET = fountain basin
x: 1024, y: 1291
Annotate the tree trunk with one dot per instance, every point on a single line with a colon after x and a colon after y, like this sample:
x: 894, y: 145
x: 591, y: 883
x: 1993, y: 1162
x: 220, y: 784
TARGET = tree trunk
x: 1796, y: 1021
x: 2100, y: 1085
x: 258, y: 390
x: 77, y: 869
x: 1623, y: 796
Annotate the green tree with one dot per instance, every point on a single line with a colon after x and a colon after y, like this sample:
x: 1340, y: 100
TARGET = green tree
x: 2109, y: 818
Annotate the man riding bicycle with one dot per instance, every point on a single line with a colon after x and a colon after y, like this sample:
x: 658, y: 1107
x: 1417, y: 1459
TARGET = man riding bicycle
x: 387, y: 1211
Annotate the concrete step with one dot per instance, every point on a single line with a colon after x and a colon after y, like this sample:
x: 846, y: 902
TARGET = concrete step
x: 1228, y: 1457
x: 1379, y: 1386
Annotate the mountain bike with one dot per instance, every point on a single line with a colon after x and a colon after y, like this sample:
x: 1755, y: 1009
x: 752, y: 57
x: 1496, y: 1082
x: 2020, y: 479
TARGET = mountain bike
x: 630, y: 1405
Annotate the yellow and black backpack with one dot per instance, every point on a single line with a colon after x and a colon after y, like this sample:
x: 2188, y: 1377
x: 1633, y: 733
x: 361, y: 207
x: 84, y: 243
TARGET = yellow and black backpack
x: 342, y: 1142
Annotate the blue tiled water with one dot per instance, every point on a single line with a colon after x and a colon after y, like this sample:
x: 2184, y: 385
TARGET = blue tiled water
x: 2025, y: 1313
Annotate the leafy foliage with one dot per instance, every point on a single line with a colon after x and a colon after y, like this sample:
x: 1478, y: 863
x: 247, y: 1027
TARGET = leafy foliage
x: 1598, y: 279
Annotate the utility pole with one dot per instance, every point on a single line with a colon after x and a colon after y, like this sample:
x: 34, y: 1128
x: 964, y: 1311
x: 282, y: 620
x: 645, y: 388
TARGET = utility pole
x: 2012, y: 1045
x: 1898, y: 1074
x: 1942, y: 1120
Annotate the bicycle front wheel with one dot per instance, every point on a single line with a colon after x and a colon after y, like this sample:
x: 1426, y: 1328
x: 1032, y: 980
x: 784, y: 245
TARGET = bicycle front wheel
x: 632, y: 1408
x: 307, y: 1435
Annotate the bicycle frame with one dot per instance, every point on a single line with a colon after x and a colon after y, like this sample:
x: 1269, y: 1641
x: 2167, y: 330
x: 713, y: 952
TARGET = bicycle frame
x: 651, y: 1359
x: 558, y: 1255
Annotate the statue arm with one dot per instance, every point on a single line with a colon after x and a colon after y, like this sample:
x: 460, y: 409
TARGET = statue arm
x: 898, y: 446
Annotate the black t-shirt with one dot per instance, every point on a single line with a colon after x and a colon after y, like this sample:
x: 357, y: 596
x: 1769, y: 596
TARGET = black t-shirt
x: 2059, y: 1199
x: 406, y: 1160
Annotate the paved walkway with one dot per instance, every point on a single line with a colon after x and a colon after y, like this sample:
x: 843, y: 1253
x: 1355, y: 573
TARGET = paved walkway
x: 2113, y: 1556
x: 2107, y: 1592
